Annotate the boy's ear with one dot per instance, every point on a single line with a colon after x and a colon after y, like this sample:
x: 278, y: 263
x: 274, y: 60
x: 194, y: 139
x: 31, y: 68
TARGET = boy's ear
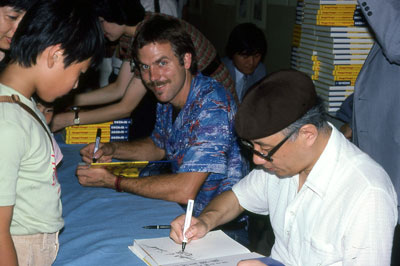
x: 54, y: 55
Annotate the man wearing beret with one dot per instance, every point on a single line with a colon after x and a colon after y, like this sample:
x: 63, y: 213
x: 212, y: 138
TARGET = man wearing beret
x: 329, y: 203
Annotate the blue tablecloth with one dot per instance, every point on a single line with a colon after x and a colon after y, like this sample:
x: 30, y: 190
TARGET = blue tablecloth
x: 101, y: 223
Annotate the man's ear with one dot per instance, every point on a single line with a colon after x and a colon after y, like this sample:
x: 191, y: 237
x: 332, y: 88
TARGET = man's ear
x: 308, y: 133
x: 54, y: 55
x: 187, y: 60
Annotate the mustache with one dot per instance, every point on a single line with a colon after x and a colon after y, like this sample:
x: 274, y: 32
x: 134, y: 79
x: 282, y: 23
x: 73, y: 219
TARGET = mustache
x: 152, y: 84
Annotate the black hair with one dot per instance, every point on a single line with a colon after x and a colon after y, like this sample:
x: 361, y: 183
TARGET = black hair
x: 18, y: 5
x: 163, y: 29
x: 122, y: 12
x: 246, y: 39
x: 71, y: 23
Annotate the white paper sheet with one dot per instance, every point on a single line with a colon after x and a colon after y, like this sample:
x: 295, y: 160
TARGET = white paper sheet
x: 163, y: 251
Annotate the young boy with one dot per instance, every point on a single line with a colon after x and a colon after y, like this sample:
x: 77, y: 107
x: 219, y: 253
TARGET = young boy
x: 55, y: 42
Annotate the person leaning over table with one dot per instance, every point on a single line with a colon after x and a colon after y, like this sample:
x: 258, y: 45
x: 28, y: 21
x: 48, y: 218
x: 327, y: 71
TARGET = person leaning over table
x: 194, y: 126
x: 121, y: 19
x: 329, y: 202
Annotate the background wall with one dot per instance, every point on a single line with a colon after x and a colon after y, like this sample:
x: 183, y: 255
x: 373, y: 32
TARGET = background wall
x: 216, y: 18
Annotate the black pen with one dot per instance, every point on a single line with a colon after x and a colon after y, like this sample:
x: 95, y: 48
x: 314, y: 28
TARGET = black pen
x: 157, y: 226
x: 96, y: 145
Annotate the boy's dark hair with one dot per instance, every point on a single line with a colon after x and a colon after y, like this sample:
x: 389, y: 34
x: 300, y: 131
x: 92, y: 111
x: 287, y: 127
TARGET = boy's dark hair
x: 163, y: 29
x: 71, y: 23
x: 246, y: 39
x: 122, y: 12
x: 18, y: 5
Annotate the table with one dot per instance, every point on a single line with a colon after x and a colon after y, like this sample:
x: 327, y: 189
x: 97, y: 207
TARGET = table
x: 101, y: 223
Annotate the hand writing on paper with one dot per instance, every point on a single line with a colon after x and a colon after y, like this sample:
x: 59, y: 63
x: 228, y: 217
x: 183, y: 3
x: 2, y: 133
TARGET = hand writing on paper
x: 94, y: 177
x: 103, y: 154
x: 197, y: 229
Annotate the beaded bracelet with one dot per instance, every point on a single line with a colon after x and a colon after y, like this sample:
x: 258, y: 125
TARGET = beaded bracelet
x: 117, y: 183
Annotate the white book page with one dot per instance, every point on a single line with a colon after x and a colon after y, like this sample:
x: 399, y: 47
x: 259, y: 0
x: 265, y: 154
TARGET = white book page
x: 221, y: 261
x: 164, y: 251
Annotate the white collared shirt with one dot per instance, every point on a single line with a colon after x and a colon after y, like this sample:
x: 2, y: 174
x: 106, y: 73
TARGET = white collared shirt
x: 344, y: 214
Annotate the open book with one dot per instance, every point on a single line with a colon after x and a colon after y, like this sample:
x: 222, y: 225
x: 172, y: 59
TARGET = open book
x: 136, y: 168
x: 216, y: 248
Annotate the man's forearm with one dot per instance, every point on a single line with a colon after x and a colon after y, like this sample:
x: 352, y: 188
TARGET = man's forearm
x: 222, y: 209
x: 138, y: 150
x: 177, y: 187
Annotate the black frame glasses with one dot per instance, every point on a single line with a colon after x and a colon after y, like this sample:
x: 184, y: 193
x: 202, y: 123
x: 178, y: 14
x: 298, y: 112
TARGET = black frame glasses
x: 267, y: 157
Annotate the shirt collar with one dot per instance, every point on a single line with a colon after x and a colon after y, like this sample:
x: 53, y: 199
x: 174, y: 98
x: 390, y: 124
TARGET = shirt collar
x: 324, y: 169
x: 239, y: 75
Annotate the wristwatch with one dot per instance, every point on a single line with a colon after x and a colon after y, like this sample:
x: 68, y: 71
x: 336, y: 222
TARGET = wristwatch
x: 77, y: 120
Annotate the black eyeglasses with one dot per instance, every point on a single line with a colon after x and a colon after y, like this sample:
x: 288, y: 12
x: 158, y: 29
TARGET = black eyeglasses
x: 267, y: 157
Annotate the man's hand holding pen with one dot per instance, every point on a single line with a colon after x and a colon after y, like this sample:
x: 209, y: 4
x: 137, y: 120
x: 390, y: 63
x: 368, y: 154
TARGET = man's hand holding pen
x: 96, y: 177
x: 103, y: 154
x: 197, y: 229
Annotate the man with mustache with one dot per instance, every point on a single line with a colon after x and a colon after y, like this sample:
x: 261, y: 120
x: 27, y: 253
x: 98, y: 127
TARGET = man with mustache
x: 121, y: 19
x: 194, y: 125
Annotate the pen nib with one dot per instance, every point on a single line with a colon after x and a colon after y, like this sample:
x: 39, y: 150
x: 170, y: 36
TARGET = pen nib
x: 183, y: 246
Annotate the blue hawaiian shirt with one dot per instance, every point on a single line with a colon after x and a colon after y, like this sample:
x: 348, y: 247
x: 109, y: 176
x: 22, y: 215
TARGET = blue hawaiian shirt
x: 202, y: 138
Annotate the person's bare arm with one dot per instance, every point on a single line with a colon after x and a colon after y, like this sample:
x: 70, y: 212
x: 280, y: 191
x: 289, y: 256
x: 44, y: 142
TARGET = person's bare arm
x: 222, y: 209
x: 109, y: 93
x: 133, y: 94
x: 137, y: 150
x: 172, y: 187
x: 7, y: 251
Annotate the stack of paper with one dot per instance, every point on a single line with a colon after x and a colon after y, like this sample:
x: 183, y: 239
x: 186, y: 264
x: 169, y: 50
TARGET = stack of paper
x: 334, y: 43
x: 117, y: 130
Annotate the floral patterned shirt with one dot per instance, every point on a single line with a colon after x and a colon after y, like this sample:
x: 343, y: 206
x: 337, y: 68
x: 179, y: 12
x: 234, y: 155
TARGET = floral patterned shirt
x: 202, y: 138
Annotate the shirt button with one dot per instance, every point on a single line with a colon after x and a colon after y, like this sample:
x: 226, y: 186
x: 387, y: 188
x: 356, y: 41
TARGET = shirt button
x: 364, y: 4
x: 369, y: 13
x: 366, y: 8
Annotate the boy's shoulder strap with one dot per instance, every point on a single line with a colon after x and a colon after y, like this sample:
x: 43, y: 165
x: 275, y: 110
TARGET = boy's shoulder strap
x: 15, y: 99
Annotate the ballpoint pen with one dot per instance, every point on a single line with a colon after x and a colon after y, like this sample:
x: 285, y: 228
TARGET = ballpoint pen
x: 97, y: 143
x: 162, y: 226
x: 188, y: 219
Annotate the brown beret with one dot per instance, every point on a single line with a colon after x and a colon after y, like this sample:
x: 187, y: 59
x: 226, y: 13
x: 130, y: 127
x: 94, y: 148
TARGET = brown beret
x: 274, y: 103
